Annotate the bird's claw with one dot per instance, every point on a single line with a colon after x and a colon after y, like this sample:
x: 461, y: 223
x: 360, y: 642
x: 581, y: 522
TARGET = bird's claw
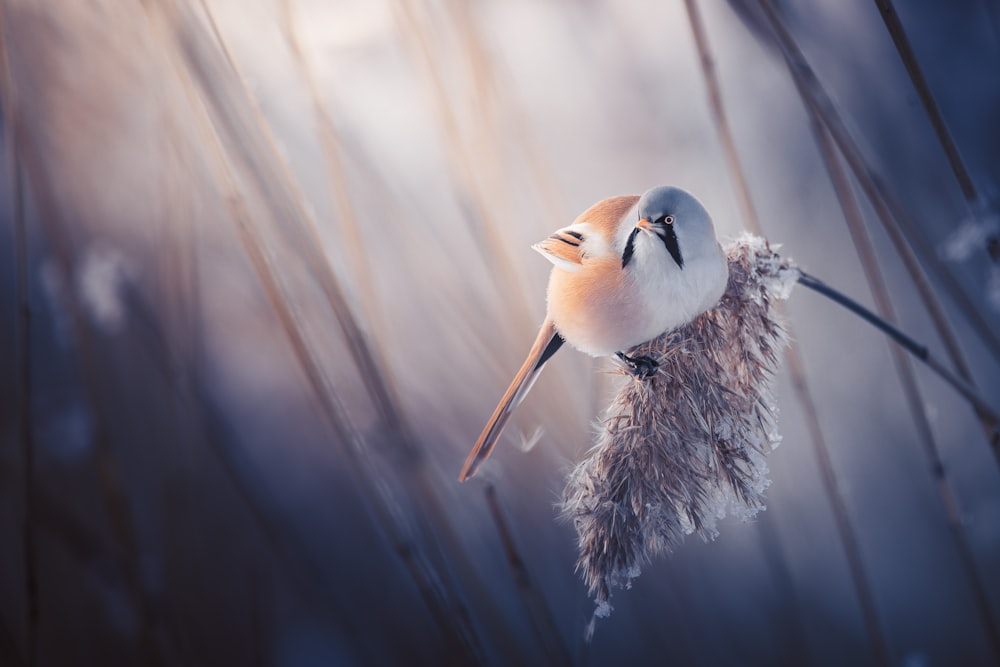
x: 641, y: 367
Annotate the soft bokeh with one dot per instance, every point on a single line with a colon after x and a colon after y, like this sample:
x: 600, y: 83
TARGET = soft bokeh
x: 273, y: 258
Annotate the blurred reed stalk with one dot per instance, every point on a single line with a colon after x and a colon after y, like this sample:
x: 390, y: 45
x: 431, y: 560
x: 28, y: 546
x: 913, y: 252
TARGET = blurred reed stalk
x: 538, y: 613
x: 22, y: 357
x: 175, y: 339
x: 918, y: 350
x: 501, y: 123
x: 907, y: 377
x: 888, y: 213
x: 151, y: 646
x: 909, y: 58
x: 823, y: 116
x: 340, y: 191
x: 439, y: 539
x: 965, y: 384
x: 337, y: 153
x: 495, y: 96
x: 900, y: 229
x: 208, y: 425
x: 479, y: 200
x: 172, y: 333
x: 247, y: 135
x: 494, y: 102
x: 796, y: 370
x: 213, y: 94
x: 26, y: 437
x: 176, y: 286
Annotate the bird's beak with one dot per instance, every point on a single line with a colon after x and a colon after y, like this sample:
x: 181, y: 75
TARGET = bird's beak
x: 665, y: 232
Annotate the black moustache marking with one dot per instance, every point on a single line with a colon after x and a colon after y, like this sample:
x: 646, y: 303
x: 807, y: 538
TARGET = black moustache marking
x: 669, y: 237
x: 629, y: 248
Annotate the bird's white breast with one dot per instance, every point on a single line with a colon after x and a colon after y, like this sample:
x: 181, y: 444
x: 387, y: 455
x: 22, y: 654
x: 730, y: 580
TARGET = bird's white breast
x: 603, y: 309
x: 671, y: 296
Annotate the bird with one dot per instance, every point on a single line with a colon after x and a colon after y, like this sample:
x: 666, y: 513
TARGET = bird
x: 627, y: 270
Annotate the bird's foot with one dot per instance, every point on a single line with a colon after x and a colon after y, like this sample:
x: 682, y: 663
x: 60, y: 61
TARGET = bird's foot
x: 641, y: 367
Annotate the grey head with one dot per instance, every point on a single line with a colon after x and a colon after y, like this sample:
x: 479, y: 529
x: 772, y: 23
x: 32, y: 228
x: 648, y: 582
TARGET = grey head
x: 677, y: 219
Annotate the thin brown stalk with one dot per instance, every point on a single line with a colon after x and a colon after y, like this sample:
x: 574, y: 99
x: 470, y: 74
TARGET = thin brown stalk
x: 718, y: 109
x: 901, y: 230
x: 440, y: 601
x: 22, y: 356
x: 434, y: 585
x: 495, y: 103
x: 25, y: 423
x: 251, y: 141
x: 888, y: 211
x: 918, y: 350
x: 838, y: 504
x: 909, y: 58
x: 494, y: 246
x: 822, y: 111
x: 539, y: 615
x: 495, y: 94
x: 907, y: 378
x: 793, y: 361
x: 246, y: 134
x: 331, y: 145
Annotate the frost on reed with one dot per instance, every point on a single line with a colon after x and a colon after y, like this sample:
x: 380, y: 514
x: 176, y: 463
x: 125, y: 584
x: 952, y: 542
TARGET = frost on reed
x: 680, y: 449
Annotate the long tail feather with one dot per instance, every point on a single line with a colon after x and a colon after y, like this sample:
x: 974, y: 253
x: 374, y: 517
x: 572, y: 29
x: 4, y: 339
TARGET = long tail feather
x: 546, y: 344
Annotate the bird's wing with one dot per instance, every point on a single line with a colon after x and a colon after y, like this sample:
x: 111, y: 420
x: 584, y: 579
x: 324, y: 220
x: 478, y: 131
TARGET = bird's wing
x: 563, y: 249
x: 546, y: 344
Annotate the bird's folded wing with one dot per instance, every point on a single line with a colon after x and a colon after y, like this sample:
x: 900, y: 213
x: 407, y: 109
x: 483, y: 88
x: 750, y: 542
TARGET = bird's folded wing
x: 563, y: 249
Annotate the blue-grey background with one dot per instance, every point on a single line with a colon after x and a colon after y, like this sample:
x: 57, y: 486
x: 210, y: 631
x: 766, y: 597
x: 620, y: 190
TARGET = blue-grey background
x: 184, y: 497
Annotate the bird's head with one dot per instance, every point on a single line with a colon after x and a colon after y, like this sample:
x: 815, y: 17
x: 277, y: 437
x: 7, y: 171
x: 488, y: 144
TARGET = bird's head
x: 674, y: 219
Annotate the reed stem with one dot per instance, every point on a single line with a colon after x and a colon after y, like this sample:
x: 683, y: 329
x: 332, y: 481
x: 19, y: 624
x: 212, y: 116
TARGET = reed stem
x: 909, y: 58
x: 22, y: 357
x: 217, y: 109
x: 904, y: 368
x: 904, y: 234
x: 918, y: 350
x: 539, y: 615
x: 796, y: 369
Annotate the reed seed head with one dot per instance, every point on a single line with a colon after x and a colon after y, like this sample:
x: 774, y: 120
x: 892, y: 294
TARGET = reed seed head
x: 681, y: 449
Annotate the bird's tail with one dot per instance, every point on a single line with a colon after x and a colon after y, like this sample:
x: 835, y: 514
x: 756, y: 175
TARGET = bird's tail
x: 546, y: 344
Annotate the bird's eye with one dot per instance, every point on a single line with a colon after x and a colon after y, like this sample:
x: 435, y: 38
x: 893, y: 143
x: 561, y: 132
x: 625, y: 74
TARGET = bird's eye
x: 669, y: 220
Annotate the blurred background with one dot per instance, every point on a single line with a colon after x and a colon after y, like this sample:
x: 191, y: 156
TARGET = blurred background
x: 265, y: 272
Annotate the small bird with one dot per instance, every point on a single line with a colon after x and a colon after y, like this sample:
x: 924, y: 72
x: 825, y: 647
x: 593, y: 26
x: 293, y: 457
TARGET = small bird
x: 627, y: 270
